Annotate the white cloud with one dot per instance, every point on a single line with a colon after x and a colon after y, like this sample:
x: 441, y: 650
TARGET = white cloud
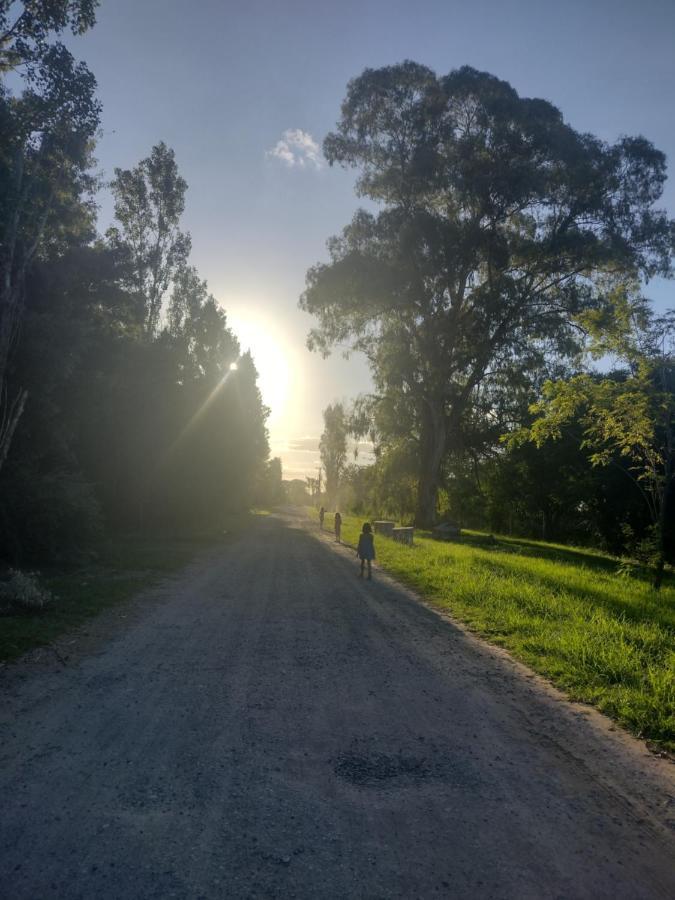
x: 297, y: 148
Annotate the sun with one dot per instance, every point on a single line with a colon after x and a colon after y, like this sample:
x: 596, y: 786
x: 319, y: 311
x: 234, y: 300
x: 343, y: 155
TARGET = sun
x: 272, y: 360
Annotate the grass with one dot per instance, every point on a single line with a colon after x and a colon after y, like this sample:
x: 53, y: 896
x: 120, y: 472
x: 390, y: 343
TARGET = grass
x: 606, y: 638
x: 124, y: 566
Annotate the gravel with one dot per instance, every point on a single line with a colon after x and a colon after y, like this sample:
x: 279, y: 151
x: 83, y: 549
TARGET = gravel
x: 265, y: 724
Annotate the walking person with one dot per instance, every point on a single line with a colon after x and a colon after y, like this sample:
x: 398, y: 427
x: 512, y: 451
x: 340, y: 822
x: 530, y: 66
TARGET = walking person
x: 322, y: 513
x: 338, y: 526
x: 366, y: 549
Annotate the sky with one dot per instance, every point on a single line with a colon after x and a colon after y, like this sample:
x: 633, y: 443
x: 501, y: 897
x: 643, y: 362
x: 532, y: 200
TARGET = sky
x: 245, y: 92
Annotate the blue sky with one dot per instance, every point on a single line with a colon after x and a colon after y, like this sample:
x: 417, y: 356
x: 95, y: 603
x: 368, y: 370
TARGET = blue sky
x: 221, y: 82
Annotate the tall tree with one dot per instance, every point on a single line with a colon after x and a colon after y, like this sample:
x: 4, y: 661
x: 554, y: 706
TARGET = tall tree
x: 496, y: 218
x: 49, y: 506
x: 149, y: 201
x: 47, y: 130
x: 333, y: 449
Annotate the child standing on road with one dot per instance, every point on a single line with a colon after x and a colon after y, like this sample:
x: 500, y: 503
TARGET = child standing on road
x: 322, y: 513
x: 366, y: 549
x: 338, y: 526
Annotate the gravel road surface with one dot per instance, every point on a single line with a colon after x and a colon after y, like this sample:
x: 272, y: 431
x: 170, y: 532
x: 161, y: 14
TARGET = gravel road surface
x: 265, y: 724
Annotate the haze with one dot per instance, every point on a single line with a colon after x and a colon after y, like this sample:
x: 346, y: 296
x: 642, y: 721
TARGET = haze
x: 222, y: 84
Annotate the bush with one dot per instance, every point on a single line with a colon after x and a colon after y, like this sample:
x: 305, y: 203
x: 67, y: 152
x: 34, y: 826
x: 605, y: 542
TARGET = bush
x: 22, y: 591
x: 47, y: 518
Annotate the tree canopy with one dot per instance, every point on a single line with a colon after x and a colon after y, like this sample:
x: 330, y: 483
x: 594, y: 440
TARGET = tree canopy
x: 149, y: 201
x: 497, y: 219
x: 627, y: 415
x: 118, y: 404
x: 27, y: 26
x: 47, y: 132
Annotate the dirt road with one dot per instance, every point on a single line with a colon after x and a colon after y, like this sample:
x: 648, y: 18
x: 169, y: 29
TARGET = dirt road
x: 267, y: 725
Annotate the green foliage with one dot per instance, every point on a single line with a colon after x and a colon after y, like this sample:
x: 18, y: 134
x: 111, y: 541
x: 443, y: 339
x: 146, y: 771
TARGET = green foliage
x: 605, y: 638
x: 625, y: 416
x: 149, y: 201
x: 48, y: 516
x: 126, y: 426
x: 26, y: 27
x: 22, y: 591
x: 388, y: 487
x: 497, y: 222
x: 614, y: 413
x: 554, y: 492
x: 270, y: 491
x: 47, y: 129
x: 296, y: 493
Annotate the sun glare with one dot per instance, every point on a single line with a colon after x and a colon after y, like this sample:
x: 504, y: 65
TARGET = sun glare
x: 272, y: 360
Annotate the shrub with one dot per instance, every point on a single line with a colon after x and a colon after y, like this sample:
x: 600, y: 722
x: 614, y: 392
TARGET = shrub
x: 23, y: 591
x: 47, y: 518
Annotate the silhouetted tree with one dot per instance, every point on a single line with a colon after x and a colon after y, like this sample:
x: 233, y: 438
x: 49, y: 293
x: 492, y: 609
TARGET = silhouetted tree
x: 297, y: 493
x: 26, y: 27
x: 271, y: 490
x: 47, y: 129
x: 333, y: 449
x: 149, y: 201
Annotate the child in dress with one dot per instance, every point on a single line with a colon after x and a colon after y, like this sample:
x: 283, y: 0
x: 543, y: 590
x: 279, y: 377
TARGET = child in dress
x: 338, y: 526
x: 366, y: 549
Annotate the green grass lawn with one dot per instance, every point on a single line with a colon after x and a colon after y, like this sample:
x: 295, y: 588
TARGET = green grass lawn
x: 124, y: 566
x: 605, y: 638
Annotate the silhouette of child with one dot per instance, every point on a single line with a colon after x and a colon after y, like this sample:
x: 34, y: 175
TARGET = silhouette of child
x: 338, y: 526
x: 366, y: 549
x: 322, y: 513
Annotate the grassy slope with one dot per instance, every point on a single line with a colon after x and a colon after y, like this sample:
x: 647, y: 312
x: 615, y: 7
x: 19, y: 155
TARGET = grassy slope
x: 605, y: 638
x: 125, y: 566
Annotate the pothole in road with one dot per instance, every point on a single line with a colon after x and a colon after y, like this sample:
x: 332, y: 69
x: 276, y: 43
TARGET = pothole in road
x: 378, y: 768
x: 367, y: 767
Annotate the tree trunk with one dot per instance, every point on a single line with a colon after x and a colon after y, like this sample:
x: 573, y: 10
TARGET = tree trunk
x: 432, y: 448
x: 11, y: 415
x: 14, y: 262
x: 662, y: 530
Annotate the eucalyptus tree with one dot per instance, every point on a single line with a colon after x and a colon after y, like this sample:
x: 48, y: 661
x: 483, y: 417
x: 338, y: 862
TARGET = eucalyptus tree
x: 149, y: 202
x: 333, y: 448
x: 495, y: 218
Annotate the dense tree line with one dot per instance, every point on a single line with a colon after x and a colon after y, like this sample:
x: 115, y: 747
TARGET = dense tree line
x: 125, y: 401
x: 490, y: 271
x: 589, y: 461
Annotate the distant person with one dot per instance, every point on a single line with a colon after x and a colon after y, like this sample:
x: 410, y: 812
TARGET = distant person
x: 366, y: 549
x: 322, y: 513
x: 338, y: 526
